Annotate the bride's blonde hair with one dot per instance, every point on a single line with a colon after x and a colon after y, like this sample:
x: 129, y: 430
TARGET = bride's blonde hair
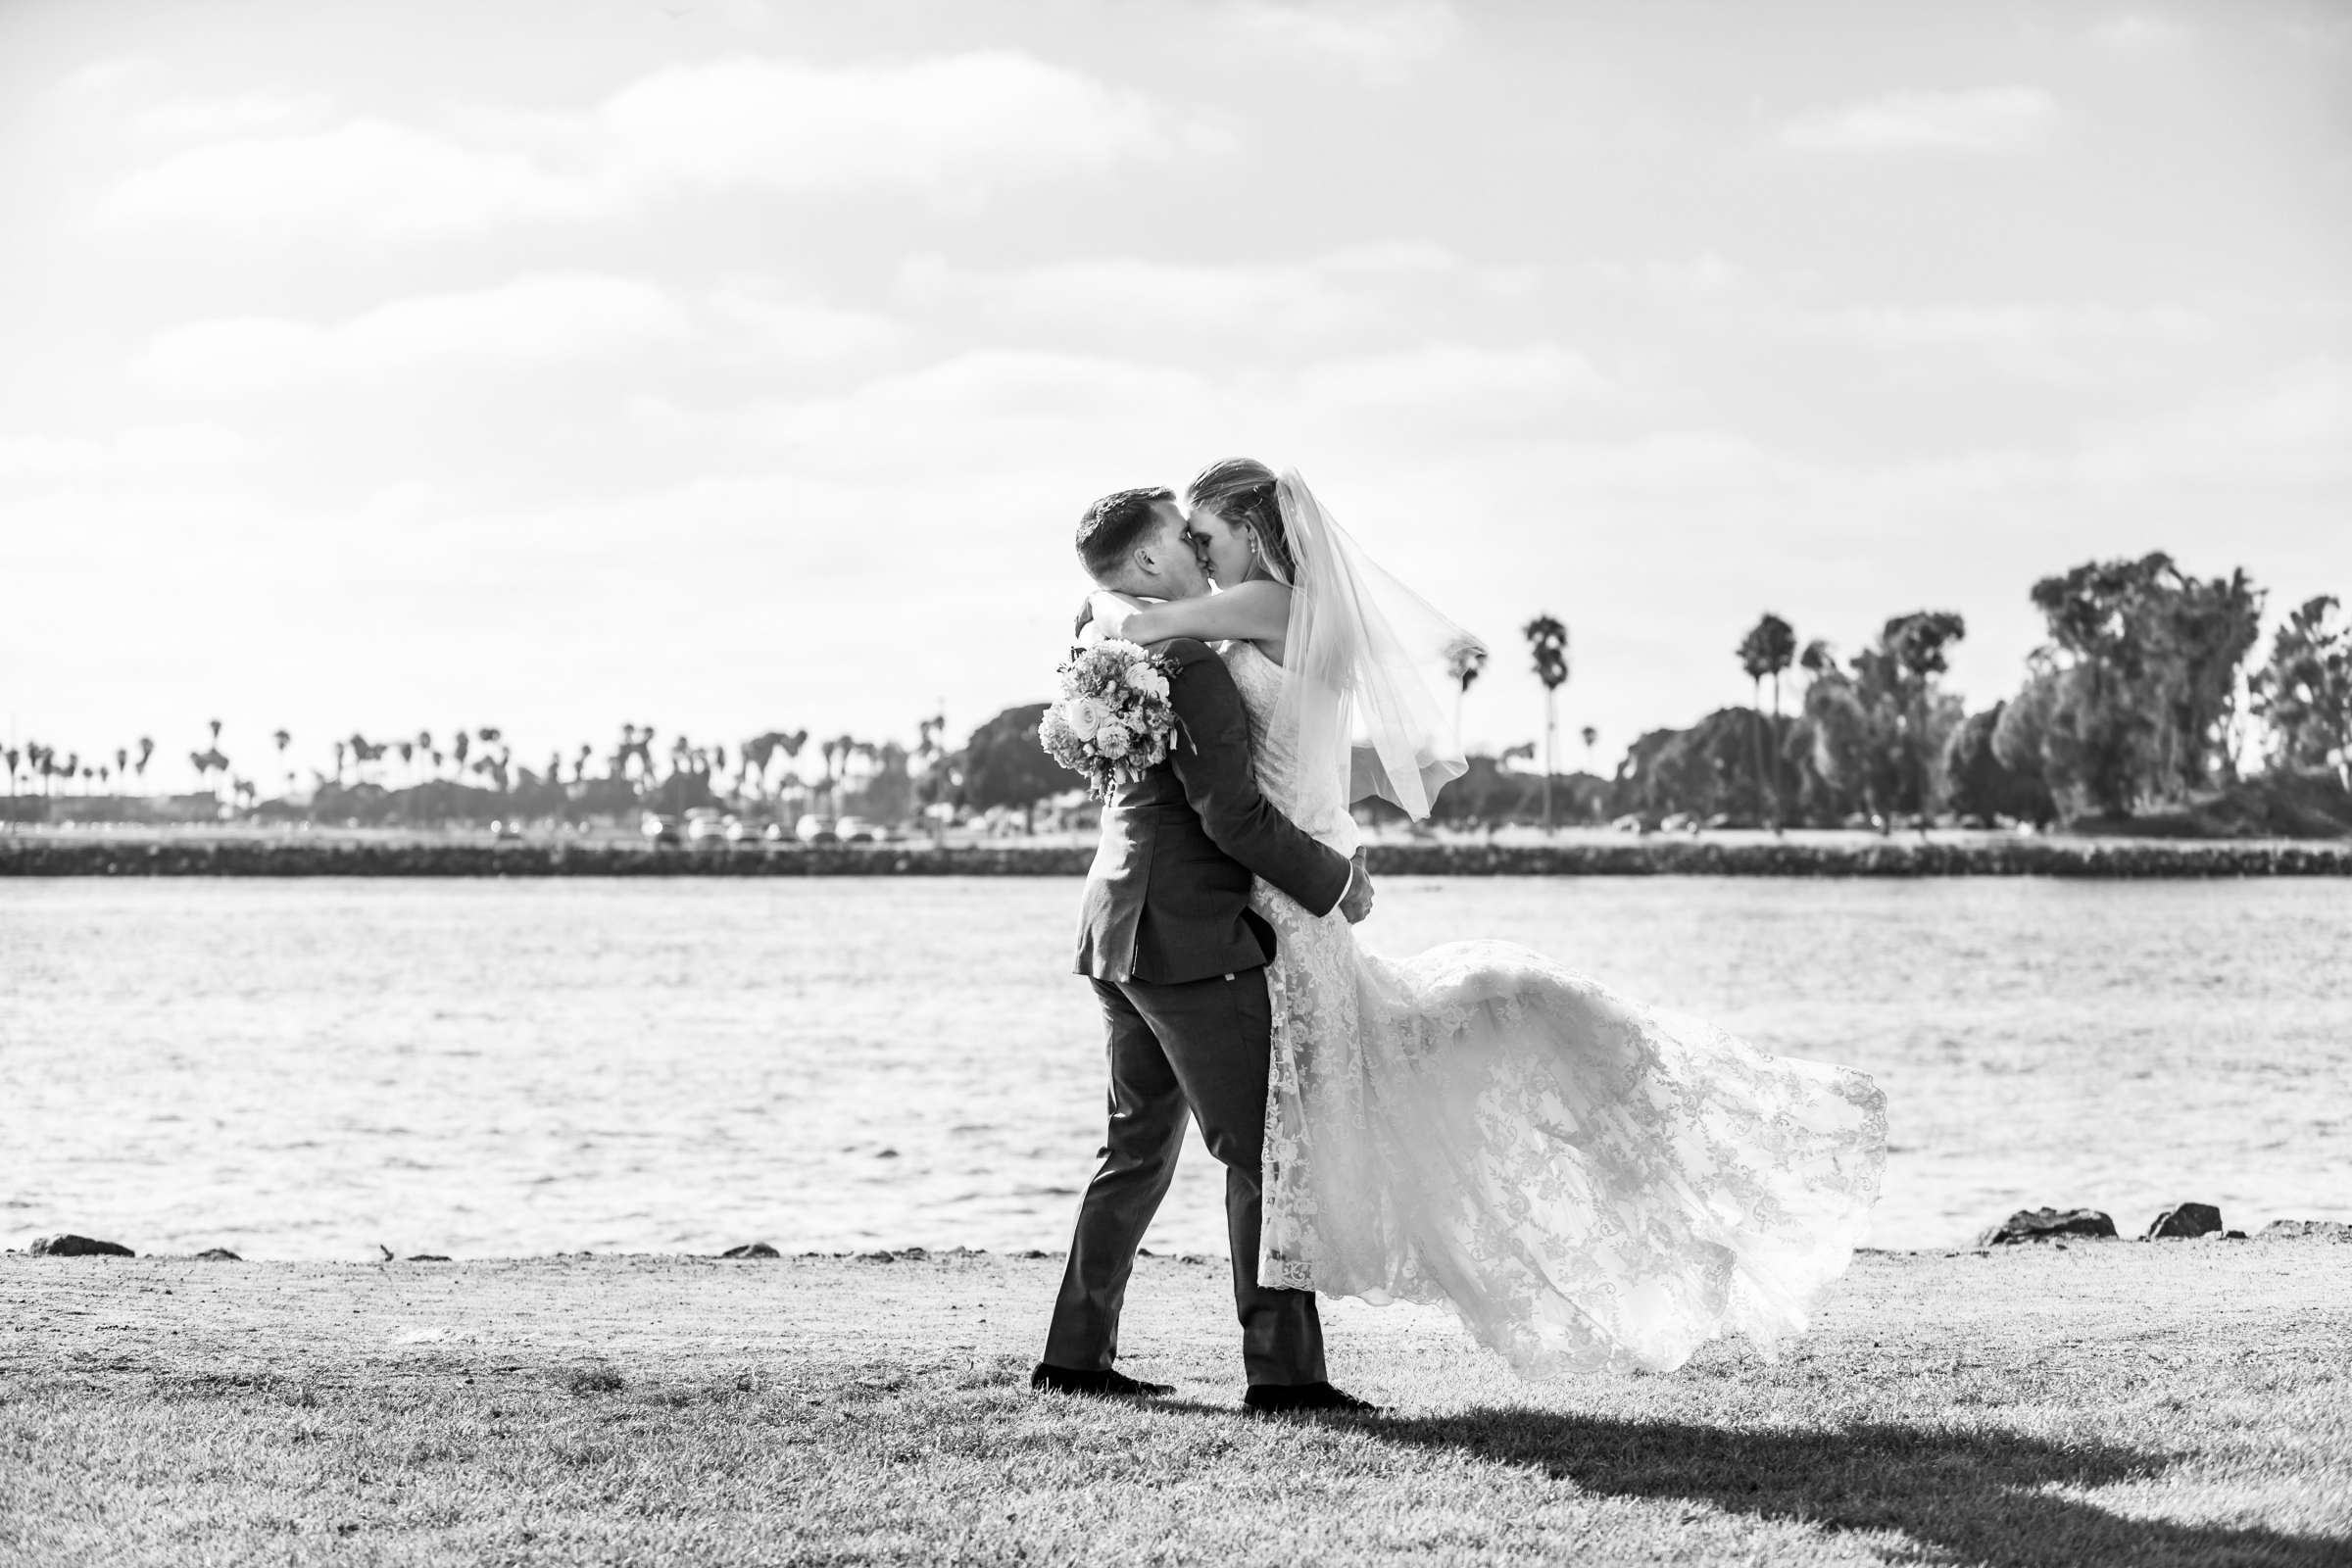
x: 1241, y: 491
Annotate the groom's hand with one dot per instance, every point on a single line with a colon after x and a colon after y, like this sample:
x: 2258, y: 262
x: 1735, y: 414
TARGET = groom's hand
x: 1356, y: 902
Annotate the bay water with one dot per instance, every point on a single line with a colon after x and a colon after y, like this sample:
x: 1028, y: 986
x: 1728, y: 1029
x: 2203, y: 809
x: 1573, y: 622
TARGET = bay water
x: 314, y: 1069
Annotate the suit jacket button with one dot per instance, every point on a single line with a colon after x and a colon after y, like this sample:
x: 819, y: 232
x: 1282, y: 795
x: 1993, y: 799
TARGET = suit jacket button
x: 1229, y: 976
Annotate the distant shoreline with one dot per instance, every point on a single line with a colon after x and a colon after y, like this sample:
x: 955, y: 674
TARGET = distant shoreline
x: 2134, y: 858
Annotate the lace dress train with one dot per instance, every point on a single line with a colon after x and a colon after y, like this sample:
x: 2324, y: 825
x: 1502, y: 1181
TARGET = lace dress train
x: 1589, y: 1184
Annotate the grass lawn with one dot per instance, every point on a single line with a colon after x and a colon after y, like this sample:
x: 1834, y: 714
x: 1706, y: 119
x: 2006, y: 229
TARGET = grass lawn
x: 2118, y: 1402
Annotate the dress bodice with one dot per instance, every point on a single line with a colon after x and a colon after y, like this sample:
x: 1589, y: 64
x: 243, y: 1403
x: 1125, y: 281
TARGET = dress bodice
x: 1274, y: 750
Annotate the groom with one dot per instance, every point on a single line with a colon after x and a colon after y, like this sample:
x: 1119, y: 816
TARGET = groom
x: 1178, y: 963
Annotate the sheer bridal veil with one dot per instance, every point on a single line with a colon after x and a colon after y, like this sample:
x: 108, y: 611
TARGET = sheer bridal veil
x: 1367, y: 659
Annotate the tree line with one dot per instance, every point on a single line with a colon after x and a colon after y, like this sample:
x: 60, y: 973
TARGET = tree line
x: 2141, y: 699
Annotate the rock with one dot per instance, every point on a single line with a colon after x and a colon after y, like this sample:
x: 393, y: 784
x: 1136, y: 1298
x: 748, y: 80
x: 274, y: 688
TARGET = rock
x: 2183, y: 1220
x: 2045, y: 1224
x: 428, y: 1258
x: 217, y: 1255
x: 2306, y: 1230
x: 752, y: 1249
x: 78, y: 1247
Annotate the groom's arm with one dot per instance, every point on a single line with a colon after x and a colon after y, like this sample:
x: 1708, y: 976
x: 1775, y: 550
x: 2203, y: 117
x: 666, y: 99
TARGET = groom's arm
x: 1222, y: 786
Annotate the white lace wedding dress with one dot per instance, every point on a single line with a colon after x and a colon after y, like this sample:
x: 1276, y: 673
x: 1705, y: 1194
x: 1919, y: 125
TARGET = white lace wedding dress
x: 1588, y: 1183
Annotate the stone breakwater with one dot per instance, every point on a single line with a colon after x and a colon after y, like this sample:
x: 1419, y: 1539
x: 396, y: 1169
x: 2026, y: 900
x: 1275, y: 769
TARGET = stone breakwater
x: 1632, y: 856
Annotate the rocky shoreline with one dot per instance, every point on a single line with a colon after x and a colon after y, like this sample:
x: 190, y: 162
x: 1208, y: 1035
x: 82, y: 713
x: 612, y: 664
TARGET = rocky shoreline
x: 2183, y: 1222
x: 47, y: 856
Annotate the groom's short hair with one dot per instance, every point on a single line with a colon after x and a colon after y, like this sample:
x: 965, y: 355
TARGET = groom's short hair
x: 1114, y: 526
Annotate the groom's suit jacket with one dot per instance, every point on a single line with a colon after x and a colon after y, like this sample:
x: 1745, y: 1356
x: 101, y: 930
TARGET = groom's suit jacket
x: 1167, y: 900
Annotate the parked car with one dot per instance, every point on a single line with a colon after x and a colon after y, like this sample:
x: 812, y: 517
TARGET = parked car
x: 855, y: 830
x: 706, y: 829
x: 501, y: 830
x: 660, y: 831
x: 813, y: 829
x: 742, y: 833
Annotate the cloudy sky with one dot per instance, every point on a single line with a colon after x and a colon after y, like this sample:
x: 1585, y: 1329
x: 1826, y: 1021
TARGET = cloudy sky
x: 729, y: 366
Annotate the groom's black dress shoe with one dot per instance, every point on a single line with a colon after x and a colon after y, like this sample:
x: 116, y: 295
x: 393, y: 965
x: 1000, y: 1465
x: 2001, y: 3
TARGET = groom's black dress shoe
x: 1274, y: 1397
x: 1063, y: 1380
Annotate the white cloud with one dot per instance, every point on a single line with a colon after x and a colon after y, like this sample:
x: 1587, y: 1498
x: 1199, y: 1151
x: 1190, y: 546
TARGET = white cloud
x: 364, y: 177
x: 1003, y: 409
x: 2295, y: 429
x: 1691, y: 280
x: 1381, y: 40
x: 952, y: 127
x: 530, y: 321
x: 1454, y: 385
x: 187, y: 119
x: 1987, y: 119
x: 142, y: 449
x: 775, y: 322
x: 943, y: 124
x: 1344, y: 291
x: 2051, y: 342
x: 992, y: 409
x: 2134, y: 32
x: 104, y: 82
x: 2015, y: 325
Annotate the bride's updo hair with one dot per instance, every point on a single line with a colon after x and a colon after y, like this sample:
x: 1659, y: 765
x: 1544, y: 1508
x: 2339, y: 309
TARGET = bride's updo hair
x: 1241, y: 491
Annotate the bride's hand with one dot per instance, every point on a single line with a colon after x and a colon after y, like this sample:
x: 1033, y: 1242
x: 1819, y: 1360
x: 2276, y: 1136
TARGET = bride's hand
x: 1112, y: 609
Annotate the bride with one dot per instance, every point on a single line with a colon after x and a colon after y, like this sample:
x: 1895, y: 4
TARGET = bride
x: 1588, y: 1183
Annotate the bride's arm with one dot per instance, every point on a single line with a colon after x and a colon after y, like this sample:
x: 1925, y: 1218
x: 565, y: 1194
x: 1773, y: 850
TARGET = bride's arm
x: 1255, y: 611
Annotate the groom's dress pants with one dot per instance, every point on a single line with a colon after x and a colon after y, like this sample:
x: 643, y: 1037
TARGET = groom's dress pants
x: 1201, y: 1045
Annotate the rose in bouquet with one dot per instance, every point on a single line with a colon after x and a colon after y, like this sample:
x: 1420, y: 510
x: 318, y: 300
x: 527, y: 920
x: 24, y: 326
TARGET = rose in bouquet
x: 1113, y: 720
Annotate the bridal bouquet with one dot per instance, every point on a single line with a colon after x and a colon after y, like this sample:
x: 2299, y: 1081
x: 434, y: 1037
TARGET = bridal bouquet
x: 1113, y: 719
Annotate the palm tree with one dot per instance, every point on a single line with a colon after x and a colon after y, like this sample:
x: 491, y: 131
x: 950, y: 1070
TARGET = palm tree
x: 933, y: 756
x: 146, y: 750
x: 1547, y: 640
x: 284, y: 739
x: 1592, y: 738
x: 760, y: 751
x: 1916, y: 642
x: 122, y: 762
x: 1767, y: 650
x: 1463, y: 660
x: 458, y: 745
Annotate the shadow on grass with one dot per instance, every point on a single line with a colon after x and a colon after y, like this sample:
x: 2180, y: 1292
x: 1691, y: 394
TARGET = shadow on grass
x: 1976, y: 1495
